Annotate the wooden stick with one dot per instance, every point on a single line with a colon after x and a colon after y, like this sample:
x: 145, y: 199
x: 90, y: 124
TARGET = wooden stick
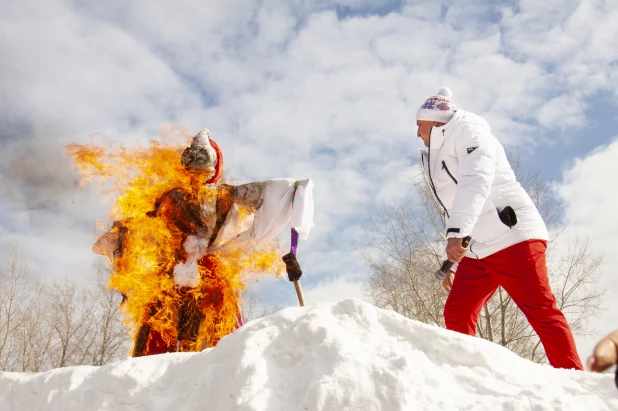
x: 299, y: 293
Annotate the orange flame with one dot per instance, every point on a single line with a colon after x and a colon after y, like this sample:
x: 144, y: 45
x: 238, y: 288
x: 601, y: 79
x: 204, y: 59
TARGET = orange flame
x: 151, y: 246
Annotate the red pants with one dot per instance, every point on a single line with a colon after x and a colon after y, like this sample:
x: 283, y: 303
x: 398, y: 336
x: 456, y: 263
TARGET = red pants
x: 522, y: 272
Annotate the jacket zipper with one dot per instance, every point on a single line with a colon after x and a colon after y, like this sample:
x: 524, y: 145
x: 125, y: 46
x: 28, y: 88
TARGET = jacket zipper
x: 444, y: 167
x: 429, y: 185
x: 430, y: 179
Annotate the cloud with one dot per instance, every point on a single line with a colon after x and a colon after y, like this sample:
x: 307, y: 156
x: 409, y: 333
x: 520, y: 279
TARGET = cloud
x: 563, y: 111
x: 590, y: 204
x: 336, y: 290
x: 567, y: 41
x: 326, y: 90
x: 73, y: 75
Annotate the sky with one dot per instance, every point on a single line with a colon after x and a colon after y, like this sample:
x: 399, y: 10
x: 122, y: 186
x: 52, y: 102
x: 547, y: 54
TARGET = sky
x: 322, y: 89
x: 344, y: 356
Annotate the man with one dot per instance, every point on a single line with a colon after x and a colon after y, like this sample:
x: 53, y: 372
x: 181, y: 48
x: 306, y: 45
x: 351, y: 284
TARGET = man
x: 474, y: 186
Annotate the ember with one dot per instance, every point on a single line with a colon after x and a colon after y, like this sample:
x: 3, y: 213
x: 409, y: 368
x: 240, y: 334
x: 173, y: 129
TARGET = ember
x: 181, y: 242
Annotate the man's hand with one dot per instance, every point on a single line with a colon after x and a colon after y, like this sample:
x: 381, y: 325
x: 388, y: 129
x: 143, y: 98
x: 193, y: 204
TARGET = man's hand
x: 454, y: 251
x: 447, y: 282
x: 605, y: 354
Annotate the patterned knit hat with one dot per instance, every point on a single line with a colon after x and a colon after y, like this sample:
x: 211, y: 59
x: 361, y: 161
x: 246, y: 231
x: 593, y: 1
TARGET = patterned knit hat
x: 438, y: 108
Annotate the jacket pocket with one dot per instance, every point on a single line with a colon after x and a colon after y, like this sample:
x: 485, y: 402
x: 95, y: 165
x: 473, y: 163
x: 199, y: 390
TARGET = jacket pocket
x: 508, y: 216
x: 445, y: 168
x: 489, y: 225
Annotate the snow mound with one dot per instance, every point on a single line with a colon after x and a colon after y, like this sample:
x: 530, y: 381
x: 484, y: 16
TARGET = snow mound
x: 344, y: 356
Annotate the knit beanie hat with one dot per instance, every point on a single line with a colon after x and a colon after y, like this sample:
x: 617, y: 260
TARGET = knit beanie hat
x: 438, y: 108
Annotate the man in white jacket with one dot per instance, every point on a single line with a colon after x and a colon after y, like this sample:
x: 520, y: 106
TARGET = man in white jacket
x: 474, y: 186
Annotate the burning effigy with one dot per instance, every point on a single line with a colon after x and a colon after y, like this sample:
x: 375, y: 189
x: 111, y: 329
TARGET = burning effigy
x: 182, y: 241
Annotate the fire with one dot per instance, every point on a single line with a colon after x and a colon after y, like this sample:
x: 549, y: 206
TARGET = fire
x: 152, y: 246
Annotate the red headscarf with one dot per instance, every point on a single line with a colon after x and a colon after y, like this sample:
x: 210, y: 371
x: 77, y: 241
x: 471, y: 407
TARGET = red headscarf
x: 219, y: 166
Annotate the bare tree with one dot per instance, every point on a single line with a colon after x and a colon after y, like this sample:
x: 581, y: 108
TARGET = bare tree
x: 58, y: 324
x: 34, y: 339
x: 110, y: 339
x: 406, y: 243
x: 70, y: 318
x: 575, y: 281
x: 19, y: 291
x: 255, y: 307
x: 406, y: 247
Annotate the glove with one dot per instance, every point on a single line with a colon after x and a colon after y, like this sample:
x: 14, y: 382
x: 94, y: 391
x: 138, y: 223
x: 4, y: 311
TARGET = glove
x: 292, y: 267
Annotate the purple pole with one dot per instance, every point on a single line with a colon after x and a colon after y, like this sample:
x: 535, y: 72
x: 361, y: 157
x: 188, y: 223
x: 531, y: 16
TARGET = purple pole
x: 294, y: 242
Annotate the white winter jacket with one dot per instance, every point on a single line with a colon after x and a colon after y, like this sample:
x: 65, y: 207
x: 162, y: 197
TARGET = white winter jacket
x: 467, y: 169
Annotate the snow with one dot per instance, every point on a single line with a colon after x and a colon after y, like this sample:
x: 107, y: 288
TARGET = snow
x: 340, y: 356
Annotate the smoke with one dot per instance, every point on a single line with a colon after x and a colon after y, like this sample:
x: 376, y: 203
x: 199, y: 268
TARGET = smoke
x: 43, y: 208
x: 36, y: 175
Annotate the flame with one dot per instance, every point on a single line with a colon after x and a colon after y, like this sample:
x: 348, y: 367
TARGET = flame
x: 151, y: 246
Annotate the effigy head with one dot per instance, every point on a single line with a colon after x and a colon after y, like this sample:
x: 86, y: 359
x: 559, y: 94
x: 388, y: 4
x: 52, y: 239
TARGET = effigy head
x: 200, y: 156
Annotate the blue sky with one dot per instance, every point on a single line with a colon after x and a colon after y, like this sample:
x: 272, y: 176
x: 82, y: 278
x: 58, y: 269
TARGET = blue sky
x: 324, y: 90
x: 600, y: 129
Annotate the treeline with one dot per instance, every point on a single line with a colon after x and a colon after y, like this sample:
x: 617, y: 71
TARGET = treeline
x: 60, y: 322
x: 46, y: 324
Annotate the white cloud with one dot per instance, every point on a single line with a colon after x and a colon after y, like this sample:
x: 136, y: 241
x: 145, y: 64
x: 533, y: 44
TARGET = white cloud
x: 574, y: 40
x: 563, y: 111
x: 590, y: 199
x: 588, y: 191
x: 287, y: 89
x: 334, y: 291
x: 87, y: 75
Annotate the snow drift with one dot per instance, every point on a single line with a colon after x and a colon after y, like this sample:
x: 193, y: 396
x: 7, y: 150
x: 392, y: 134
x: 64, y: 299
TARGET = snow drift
x: 344, y: 356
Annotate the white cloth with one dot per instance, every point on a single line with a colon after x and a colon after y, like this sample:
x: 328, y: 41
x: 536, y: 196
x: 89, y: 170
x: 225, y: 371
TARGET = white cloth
x: 270, y: 218
x: 302, y: 209
x: 187, y: 274
x: 465, y: 150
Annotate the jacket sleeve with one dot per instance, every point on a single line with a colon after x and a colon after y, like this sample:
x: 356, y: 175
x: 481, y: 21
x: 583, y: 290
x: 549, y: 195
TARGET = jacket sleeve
x: 476, y: 149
